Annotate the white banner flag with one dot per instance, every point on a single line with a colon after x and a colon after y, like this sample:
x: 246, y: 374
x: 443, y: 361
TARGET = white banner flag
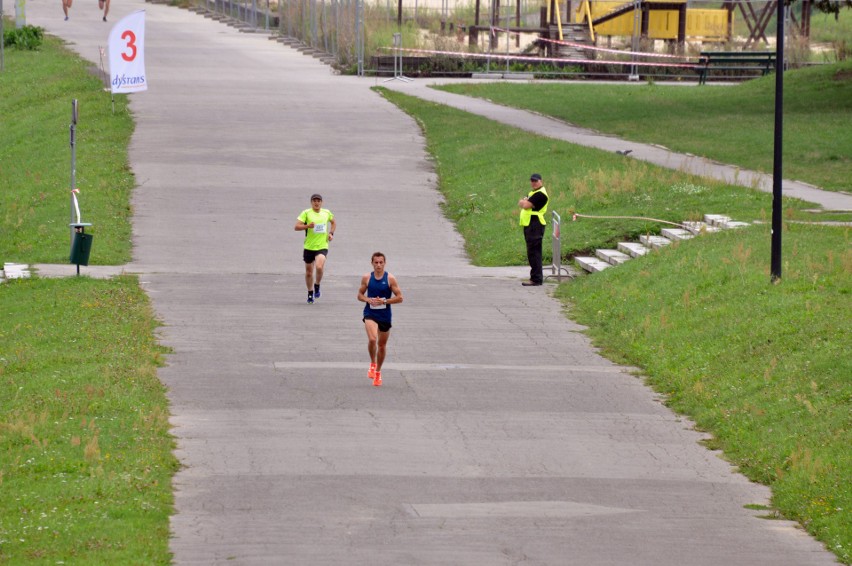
x: 127, y: 54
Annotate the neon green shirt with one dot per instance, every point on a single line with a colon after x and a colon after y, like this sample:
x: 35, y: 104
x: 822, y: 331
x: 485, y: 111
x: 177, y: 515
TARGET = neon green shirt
x: 316, y: 238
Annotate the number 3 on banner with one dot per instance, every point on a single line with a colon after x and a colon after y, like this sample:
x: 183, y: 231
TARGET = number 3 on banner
x: 131, y: 43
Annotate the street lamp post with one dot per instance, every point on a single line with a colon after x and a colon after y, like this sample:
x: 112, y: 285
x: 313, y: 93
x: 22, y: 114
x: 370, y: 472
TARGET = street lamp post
x: 777, y: 169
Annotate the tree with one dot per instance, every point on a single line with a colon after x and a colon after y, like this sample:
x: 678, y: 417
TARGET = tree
x: 829, y: 6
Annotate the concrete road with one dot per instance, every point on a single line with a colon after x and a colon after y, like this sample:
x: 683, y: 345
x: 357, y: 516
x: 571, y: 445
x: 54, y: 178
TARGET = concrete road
x: 499, y: 437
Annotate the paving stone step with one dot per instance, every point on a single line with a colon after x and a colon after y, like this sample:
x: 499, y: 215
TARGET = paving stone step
x: 612, y: 257
x: 654, y: 242
x: 591, y: 264
x: 628, y: 250
x: 633, y: 249
x: 699, y: 227
x: 676, y: 234
x: 718, y: 220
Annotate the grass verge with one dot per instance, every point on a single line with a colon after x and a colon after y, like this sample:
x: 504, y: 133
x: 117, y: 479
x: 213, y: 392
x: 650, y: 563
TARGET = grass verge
x: 36, y: 91
x: 483, y: 169
x: 87, y: 456
x: 730, y: 124
x: 764, y: 369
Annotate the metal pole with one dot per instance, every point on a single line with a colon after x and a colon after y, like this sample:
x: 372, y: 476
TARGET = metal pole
x: 359, y: 45
x: 777, y: 166
x: 508, y: 33
x: 326, y: 31
x: 490, y: 36
x: 556, y: 268
x: 73, y: 129
x: 2, y: 36
x: 313, y: 23
x: 637, y: 19
x: 397, y: 61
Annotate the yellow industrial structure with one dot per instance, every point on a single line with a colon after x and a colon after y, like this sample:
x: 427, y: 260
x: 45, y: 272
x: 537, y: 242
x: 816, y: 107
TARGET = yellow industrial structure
x: 659, y: 20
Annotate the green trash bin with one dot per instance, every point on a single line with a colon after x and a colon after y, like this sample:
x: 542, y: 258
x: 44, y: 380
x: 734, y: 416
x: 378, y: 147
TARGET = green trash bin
x: 81, y: 247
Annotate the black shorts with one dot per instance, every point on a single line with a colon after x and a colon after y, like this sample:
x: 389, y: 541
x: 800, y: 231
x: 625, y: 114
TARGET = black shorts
x: 383, y: 326
x: 310, y: 255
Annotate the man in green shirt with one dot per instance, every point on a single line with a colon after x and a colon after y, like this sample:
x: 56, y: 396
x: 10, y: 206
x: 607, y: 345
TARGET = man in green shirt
x: 319, y: 226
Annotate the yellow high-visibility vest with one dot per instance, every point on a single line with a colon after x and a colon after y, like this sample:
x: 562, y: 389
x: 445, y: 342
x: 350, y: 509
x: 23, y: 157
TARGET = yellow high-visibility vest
x: 527, y: 213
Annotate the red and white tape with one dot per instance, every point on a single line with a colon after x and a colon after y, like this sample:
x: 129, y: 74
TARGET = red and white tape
x: 540, y: 59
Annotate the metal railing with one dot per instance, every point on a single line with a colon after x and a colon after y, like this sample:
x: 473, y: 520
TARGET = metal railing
x: 556, y: 270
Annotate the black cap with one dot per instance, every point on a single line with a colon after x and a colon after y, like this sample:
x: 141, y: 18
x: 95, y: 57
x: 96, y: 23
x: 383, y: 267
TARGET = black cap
x: 535, y: 177
x: 315, y: 195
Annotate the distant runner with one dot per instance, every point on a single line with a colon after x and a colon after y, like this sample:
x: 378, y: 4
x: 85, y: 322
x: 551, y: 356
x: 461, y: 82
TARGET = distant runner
x: 319, y: 226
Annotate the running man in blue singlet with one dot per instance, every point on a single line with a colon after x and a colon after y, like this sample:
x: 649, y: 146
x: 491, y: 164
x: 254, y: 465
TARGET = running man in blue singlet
x: 379, y: 290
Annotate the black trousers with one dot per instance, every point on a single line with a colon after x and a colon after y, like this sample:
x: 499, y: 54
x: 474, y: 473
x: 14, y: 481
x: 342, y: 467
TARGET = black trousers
x: 534, y: 235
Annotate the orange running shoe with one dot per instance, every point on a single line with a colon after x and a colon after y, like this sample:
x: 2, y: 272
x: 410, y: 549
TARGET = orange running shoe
x: 371, y: 373
x: 378, y: 379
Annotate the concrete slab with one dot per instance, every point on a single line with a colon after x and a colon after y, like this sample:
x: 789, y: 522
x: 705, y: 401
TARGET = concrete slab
x: 15, y: 270
x: 612, y: 257
x: 676, y: 234
x: 654, y: 242
x: 591, y: 264
x: 698, y: 228
x: 70, y: 270
x: 633, y: 249
x: 717, y: 220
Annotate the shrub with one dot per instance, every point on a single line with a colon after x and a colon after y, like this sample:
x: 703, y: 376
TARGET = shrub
x: 24, y: 38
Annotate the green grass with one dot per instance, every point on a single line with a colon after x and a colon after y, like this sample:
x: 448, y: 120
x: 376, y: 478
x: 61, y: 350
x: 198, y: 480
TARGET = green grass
x: 36, y: 90
x: 733, y: 124
x: 483, y: 168
x: 826, y: 29
x: 86, y: 466
x: 763, y: 368
x: 87, y: 463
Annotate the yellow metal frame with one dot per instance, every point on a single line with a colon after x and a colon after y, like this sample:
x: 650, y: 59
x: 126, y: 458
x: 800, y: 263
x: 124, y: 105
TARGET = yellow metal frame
x: 706, y: 24
x: 589, y: 19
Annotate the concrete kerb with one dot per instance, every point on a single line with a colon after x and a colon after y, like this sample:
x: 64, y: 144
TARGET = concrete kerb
x: 52, y: 270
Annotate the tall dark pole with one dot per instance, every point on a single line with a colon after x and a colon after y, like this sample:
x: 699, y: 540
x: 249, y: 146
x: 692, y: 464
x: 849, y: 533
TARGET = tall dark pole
x: 2, y: 35
x: 777, y: 168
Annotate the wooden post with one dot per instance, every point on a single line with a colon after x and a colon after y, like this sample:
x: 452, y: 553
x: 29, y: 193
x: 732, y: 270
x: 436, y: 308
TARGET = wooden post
x: 729, y: 6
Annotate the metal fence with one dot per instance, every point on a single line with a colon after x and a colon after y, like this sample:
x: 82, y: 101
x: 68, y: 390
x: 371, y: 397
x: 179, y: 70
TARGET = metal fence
x: 351, y: 30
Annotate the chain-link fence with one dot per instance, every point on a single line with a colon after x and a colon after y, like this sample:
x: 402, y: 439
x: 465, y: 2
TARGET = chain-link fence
x: 357, y: 35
